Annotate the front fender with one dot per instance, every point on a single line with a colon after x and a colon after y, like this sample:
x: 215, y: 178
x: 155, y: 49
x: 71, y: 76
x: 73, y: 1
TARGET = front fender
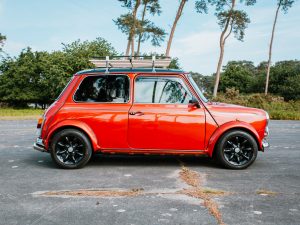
x: 75, y: 124
x: 228, y: 126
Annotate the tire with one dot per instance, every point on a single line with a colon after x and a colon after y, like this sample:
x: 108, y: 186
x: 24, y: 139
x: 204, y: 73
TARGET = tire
x: 236, y: 149
x: 71, y: 149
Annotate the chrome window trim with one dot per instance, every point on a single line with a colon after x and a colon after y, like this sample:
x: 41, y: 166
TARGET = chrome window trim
x: 157, y: 76
x: 200, y: 95
x: 65, y: 88
x: 89, y: 75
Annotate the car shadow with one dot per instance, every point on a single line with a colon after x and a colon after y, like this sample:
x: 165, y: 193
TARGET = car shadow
x: 105, y: 160
x: 150, y: 160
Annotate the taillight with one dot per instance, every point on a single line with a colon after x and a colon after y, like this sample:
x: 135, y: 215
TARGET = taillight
x: 40, y: 122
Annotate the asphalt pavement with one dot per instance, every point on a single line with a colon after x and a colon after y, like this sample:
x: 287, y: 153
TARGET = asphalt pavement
x: 268, y: 192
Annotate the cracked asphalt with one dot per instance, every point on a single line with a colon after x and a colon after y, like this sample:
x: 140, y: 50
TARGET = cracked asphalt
x: 24, y: 173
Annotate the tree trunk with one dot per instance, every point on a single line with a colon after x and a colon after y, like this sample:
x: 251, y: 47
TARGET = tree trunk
x: 178, y: 15
x: 219, y: 70
x: 222, y: 47
x: 132, y: 45
x: 132, y: 36
x: 270, y: 49
x: 140, y: 35
x: 128, y: 46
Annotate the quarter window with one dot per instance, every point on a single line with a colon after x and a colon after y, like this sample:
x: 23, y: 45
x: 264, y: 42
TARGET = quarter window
x: 104, y: 88
x: 164, y: 90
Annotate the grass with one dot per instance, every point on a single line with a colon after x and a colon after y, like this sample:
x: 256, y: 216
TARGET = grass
x: 16, y: 114
x: 195, y: 182
x: 266, y: 192
x: 97, y: 193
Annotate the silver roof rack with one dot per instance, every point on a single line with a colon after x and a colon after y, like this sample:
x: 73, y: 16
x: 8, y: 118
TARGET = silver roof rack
x: 131, y: 62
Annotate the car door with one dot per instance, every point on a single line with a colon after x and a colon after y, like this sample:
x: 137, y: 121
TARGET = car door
x: 102, y: 103
x: 160, y: 116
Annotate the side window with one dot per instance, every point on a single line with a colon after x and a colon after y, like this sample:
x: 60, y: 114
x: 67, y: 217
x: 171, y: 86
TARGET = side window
x: 164, y: 90
x: 104, y: 88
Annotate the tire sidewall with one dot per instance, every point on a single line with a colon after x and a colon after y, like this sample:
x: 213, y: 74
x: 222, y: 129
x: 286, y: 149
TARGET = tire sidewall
x: 87, y: 153
x: 222, y: 141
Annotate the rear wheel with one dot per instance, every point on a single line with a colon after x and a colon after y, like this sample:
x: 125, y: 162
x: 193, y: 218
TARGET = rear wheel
x: 70, y: 149
x: 236, y: 149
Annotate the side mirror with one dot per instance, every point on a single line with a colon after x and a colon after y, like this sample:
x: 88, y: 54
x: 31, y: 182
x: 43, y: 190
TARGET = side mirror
x: 194, y: 103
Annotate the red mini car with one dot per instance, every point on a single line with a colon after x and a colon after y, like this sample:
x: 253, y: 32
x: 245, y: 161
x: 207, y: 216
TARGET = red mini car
x: 147, y: 111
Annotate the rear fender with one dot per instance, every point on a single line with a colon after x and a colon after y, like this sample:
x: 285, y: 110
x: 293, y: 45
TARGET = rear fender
x: 229, y: 126
x: 73, y: 124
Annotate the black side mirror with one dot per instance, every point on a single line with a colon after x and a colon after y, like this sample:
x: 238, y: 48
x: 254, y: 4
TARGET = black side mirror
x: 194, y: 103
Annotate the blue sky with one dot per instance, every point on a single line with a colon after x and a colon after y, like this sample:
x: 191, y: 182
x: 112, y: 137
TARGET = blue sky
x: 44, y: 25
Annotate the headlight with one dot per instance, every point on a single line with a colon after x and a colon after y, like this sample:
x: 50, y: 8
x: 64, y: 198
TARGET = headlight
x: 266, y: 131
x: 268, y: 118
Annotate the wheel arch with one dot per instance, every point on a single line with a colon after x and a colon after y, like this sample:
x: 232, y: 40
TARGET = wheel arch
x: 235, y: 125
x: 73, y: 124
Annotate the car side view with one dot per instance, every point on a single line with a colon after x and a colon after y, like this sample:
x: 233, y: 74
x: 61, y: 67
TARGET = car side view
x: 122, y: 106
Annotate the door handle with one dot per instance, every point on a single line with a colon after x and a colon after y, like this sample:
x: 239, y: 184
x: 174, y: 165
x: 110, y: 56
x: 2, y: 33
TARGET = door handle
x: 138, y: 113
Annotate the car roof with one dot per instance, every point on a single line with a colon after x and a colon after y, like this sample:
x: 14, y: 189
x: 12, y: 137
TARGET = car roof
x: 130, y: 70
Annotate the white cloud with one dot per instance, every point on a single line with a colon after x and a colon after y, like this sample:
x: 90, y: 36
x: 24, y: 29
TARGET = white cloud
x: 13, y: 48
x: 196, y: 44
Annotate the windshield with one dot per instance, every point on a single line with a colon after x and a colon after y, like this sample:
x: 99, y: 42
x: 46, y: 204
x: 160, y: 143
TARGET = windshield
x: 195, y: 86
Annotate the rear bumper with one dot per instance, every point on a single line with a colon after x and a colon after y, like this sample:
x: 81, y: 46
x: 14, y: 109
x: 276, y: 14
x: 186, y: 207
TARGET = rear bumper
x: 265, y: 144
x: 38, y: 145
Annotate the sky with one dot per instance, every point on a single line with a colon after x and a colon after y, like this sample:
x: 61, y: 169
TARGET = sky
x: 44, y: 25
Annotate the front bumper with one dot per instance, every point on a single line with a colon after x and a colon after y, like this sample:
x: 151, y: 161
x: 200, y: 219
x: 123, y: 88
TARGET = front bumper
x: 38, y: 145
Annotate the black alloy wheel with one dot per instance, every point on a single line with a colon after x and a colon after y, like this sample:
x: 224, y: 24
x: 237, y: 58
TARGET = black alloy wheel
x: 236, y: 149
x: 71, y: 149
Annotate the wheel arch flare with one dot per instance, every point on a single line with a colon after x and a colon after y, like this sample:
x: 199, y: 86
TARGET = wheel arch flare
x: 233, y: 125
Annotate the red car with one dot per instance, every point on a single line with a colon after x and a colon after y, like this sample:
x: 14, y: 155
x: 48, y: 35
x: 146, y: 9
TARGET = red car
x: 147, y: 111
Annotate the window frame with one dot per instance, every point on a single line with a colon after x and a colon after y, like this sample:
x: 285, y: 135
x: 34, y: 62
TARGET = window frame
x: 98, y: 75
x: 65, y: 88
x: 160, y: 76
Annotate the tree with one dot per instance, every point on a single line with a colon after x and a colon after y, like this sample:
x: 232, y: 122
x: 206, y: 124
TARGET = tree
x: 205, y: 83
x: 174, y: 64
x: 177, y: 17
x: 150, y: 31
x: 128, y: 23
x: 239, y: 75
x: 284, y: 5
x: 39, y: 77
x: 78, y: 53
x: 230, y: 20
x: 284, y: 79
x: 2, y: 39
x: 144, y: 28
x: 20, y: 78
x: 153, y: 7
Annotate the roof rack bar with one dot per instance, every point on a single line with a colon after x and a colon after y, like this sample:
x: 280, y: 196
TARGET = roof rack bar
x: 107, y: 62
x: 153, y: 63
x: 131, y: 62
x: 134, y: 57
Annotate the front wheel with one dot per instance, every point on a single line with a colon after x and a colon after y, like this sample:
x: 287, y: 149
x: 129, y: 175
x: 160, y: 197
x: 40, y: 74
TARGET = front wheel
x: 236, y: 149
x: 70, y: 149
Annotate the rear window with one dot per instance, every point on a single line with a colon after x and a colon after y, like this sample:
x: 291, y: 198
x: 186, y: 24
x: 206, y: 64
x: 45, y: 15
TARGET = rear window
x: 104, y: 88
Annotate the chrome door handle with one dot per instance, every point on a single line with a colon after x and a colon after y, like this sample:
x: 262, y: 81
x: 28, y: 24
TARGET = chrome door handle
x: 138, y: 113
